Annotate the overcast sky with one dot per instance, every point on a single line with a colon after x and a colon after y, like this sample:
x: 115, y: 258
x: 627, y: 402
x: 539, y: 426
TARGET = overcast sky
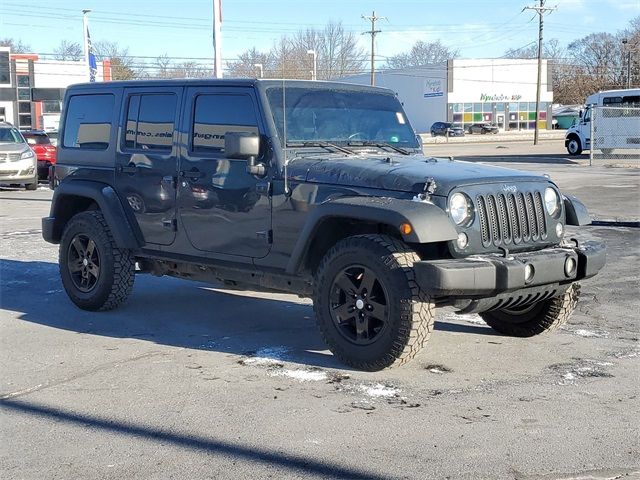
x: 478, y: 28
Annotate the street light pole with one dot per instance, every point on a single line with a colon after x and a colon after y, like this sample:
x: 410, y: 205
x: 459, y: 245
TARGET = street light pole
x: 259, y: 67
x: 85, y: 41
x: 314, y: 72
x: 625, y: 42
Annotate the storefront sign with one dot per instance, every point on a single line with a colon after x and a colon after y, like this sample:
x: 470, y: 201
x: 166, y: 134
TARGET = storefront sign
x: 499, y: 98
x: 433, y: 88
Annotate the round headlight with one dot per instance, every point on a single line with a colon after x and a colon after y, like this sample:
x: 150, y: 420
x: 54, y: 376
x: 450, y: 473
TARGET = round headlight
x: 551, y: 201
x: 459, y: 208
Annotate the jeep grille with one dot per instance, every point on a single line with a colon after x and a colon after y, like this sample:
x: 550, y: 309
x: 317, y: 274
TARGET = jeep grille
x: 511, y: 218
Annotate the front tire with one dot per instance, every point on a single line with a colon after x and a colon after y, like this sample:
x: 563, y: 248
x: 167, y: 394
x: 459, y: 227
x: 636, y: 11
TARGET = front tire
x: 96, y: 274
x: 368, y: 306
x: 574, y: 147
x: 535, y: 319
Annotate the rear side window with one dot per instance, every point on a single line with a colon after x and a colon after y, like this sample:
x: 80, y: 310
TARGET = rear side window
x: 150, y: 122
x: 88, y: 122
x: 217, y: 114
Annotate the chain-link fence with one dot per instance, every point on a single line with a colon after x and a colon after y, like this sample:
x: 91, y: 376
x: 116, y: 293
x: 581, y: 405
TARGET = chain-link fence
x: 615, y: 132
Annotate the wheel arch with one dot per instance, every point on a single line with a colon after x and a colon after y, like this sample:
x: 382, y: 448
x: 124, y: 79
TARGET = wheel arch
x: 73, y: 197
x: 334, y: 220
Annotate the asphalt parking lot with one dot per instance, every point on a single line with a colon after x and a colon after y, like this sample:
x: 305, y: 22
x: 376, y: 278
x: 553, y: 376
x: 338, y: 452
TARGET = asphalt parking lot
x: 188, y: 380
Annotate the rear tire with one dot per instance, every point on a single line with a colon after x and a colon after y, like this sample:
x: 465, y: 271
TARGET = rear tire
x: 96, y: 274
x: 535, y: 319
x: 368, y: 306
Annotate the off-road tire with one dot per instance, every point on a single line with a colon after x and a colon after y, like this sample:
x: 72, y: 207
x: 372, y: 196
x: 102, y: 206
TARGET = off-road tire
x: 411, y: 311
x: 544, y: 316
x: 117, y: 266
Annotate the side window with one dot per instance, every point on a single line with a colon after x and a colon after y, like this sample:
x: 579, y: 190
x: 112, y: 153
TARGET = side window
x: 150, y: 122
x: 216, y: 114
x: 88, y: 122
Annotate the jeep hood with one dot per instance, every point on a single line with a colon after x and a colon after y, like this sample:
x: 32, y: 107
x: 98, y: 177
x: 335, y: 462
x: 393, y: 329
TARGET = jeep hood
x: 402, y: 173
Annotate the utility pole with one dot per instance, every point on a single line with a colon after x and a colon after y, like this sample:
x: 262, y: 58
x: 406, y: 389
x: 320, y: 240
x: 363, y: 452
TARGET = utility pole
x: 540, y: 10
x: 217, y: 38
x: 85, y: 39
x: 373, y: 19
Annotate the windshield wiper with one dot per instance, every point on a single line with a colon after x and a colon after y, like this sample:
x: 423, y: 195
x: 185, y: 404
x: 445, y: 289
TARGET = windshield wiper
x: 318, y: 143
x: 365, y: 143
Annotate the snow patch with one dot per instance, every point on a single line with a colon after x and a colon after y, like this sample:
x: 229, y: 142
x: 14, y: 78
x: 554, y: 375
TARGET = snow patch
x: 466, y: 317
x: 379, y: 390
x: 590, y: 333
x: 301, y: 375
x: 267, y: 356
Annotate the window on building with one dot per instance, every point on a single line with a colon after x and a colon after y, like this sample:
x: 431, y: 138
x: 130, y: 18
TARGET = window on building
x: 5, y: 69
x: 24, y: 107
x: 150, y: 122
x: 24, y: 121
x: 88, y: 121
x: 23, y: 81
x: 50, y: 106
x: 513, y: 107
x: 24, y: 94
x: 477, y: 107
x: 217, y: 114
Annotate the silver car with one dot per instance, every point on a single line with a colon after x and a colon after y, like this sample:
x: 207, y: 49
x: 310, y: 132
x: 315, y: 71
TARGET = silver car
x: 18, y: 163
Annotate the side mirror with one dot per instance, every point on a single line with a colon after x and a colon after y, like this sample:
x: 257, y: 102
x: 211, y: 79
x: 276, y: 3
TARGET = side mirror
x: 580, y: 113
x: 245, y: 146
x: 241, y: 145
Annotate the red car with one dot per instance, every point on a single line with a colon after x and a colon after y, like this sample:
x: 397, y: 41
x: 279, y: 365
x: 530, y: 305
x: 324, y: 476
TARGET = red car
x: 46, y: 152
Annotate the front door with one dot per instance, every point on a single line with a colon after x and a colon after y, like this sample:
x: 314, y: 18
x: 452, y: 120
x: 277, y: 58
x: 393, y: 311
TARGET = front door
x: 146, y: 164
x: 222, y: 208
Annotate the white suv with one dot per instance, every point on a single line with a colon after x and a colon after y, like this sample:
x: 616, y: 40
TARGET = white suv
x: 18, y: 163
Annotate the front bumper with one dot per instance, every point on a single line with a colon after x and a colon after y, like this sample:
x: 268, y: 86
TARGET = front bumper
x: 485, y: 276
x: 18, y: 171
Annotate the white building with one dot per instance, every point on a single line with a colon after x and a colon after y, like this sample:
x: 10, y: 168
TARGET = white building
x: 499, y: 91
x: 31, y: 89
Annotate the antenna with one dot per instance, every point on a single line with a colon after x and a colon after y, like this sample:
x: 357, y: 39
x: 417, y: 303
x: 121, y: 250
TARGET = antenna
x: 284, y: 133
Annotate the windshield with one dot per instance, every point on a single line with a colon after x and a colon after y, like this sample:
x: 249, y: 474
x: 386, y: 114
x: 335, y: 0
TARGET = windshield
x: 335, y: 116
x: 10, y: 135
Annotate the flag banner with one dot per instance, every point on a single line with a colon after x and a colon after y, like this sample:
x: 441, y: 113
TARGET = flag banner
x: 93, y: 66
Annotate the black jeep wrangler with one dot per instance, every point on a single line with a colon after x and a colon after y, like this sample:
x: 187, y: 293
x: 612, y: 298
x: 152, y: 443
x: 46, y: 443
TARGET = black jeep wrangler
x: 314, y: 188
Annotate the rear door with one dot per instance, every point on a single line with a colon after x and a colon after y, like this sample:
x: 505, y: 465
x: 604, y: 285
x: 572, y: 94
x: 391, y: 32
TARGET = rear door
x: 146, y: 164
x: 222, y: 208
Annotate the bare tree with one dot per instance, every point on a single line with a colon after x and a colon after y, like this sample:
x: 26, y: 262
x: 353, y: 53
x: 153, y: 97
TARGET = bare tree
x: 163, y: 66
x: 68, y: 51
x: 422, y: 53
x: 16, y: 46
x: 245, y: 66
x: 122, y: 64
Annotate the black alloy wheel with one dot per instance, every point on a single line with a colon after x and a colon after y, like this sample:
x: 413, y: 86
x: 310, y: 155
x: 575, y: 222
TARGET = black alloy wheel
x: 83, y: 262
x: 359, y: 305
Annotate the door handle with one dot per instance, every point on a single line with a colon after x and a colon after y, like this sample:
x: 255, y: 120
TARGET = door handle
x: 191, y: 174
x: 128, y: 168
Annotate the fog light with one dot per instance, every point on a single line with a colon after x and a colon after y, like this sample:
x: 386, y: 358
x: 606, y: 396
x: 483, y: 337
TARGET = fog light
x: 559, y: 230
x: 529, y: 272
x: 463, y: 240
x: 569, y: 266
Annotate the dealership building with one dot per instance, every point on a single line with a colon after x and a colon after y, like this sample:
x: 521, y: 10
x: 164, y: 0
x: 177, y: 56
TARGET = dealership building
x: 498, y: 91
x: 32, y: 89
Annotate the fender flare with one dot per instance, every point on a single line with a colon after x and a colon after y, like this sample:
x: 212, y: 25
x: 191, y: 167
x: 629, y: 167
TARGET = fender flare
x: 576, y: 212
x: 429, y: 222
x: 125, y: 234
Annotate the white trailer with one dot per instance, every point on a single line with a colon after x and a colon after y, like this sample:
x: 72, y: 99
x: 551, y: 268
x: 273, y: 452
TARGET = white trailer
x: 612, y: 118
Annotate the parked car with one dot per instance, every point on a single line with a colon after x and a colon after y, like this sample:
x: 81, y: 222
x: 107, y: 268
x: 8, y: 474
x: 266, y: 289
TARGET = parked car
x: 17, y: 160
x: 482, y: 128
x: 377, y: 233
x: 46, y: 152
x: 447, y: 129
